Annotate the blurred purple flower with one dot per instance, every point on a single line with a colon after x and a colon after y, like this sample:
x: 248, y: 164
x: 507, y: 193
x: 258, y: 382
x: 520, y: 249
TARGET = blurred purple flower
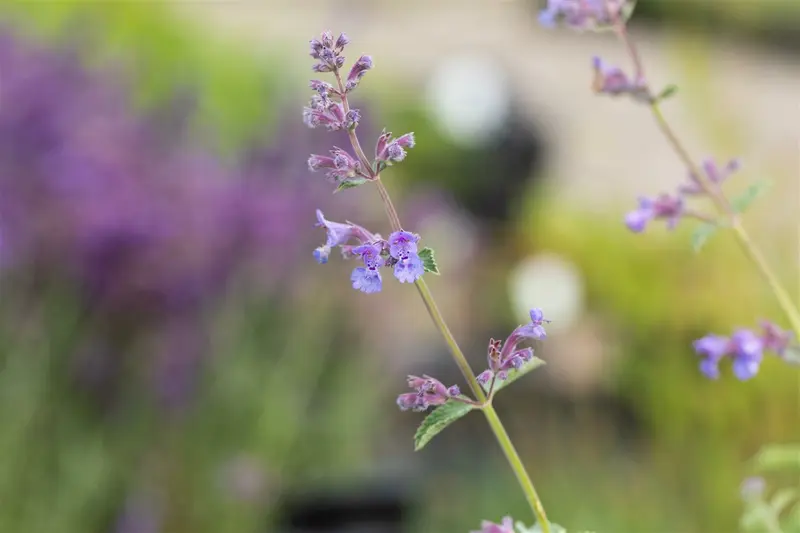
x: 506, y: 526
x: 744, y: 347
x: 613, y: 81
x: 664, y: 206
x: 713, y: 173
x: 582, y: 14
x: 147, y: 224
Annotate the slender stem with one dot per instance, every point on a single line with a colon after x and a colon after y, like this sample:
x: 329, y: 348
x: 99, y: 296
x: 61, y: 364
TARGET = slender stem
x: 455, y: 350
x: 516, y: 465
x: 788, y: 307
x: 391, y: 212
x: 483, y: 402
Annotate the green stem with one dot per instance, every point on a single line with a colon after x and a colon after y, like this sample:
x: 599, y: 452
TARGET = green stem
x: 749, y: 247
x: 458, y: 356
x: 516, y: 465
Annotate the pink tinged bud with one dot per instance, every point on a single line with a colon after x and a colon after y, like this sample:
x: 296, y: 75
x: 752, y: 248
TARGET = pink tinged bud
x: 408, y: 401
x: 315, y: 48
x: 485, y: 376
x: 316, y: 162
x: 342, y: 41
x: 321, y: 67
x: 381, y: 144
x: 357, y: 72
x: 351, y: 119
x: 327, y: 39
x: 415, y: 382
x: 406, y: 141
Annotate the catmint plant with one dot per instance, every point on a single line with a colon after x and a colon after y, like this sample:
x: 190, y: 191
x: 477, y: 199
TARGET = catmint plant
x: 349, y: 167
x: 506, y: 361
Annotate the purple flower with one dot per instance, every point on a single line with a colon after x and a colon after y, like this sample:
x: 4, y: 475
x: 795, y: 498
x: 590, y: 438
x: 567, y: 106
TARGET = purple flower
x: 339, y: 234
x: 341, y: 166
x: 506, y: 526
x: 774, y: 338
x: 322, y: 111
x: 663, y: 207
x: 357, y: 72
x: 327, y: 52
x: 582, y: 14
x: 713, y: 174
x: 403, y: 248
x: 367, y: 278
x: 502, y: 357
x: 613, y: 81
x: 747, y: 350
x: 744, y: 347
x: 713, y: 348
x: 429, y: 392
x: 389, y: 151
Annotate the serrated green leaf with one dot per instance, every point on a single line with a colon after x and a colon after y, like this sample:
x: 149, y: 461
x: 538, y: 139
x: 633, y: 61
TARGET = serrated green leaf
x: 440, y: 418
x: 667, y: 92
x: 701, y: 234
x: 782, y: 499
x: 428, y: 261
x: 778, y: 457
x: 743, y: 201
x: 350, y: 183
x: 514, y: 375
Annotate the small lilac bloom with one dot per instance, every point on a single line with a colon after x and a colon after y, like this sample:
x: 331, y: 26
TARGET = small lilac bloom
x: 367, y: 278
x: 403, y: 248
x: 664, y: 206
x: 341, y: 166
x: 714, y: 174
x: 337, y: 235
x: 429, y: 392
x: 485, y: 376
x: 389, y: 151
x: 357, y: 72
x: 613, y: 81
x: 582, y: 14
x: 351, y: 119
x: 774, y: 338
x: 322, y: 111
x: 327, y: 52
x: 409, y: 269
x: 506, y: 526
x: 747, y: 353
x: 713, y: 348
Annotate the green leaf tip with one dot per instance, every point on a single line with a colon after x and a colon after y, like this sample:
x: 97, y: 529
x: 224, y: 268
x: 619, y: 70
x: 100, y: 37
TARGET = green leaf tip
x: 667, y: 92
x: 350, y: 184
x: 701, y: 235
x: 428, y: 261
x: 440, y: 418
x: 743, y: 201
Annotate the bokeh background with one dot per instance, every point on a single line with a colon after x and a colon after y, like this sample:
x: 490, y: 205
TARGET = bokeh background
x: 172, y: 360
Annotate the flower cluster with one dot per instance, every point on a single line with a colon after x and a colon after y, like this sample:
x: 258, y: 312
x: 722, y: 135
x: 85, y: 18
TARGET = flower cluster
x: 504, y: 357
x: 329, y: 108
x: 672, y: 207
x: 506, y: 526
x: 429, y: 392
x: 744, y: 347
x: 399, y: 252
x: 612, y: 80
x: 583, y: 14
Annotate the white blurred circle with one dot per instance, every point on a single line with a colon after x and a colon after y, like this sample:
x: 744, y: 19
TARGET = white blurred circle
x: 469, y: 98
x: 551, y: 282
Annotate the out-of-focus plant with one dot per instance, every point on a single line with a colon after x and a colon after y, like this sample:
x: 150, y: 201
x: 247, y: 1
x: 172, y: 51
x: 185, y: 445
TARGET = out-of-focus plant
x: 126, y: 241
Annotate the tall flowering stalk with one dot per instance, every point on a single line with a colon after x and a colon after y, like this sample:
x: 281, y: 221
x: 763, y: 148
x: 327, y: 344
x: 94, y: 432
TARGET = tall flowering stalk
x: 330, y: 108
